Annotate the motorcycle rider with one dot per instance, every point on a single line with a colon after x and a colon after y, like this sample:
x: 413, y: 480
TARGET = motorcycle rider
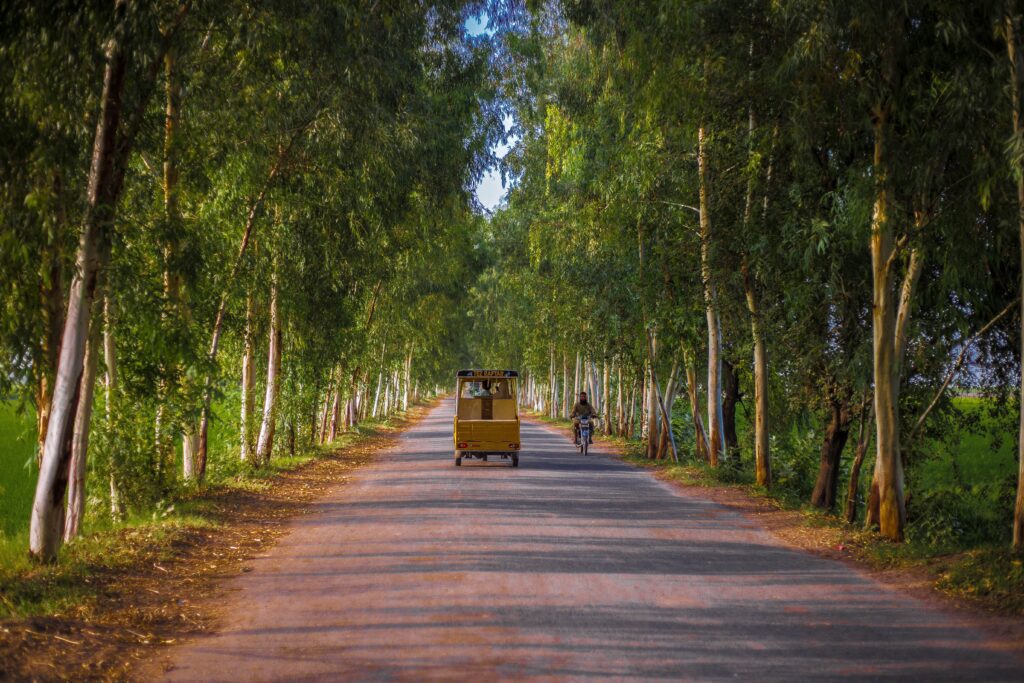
x: 582, y: 409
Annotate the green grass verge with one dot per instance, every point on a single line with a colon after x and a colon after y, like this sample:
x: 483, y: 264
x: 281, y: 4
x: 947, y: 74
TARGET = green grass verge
x: 73, y: 583
x: 18, y: 471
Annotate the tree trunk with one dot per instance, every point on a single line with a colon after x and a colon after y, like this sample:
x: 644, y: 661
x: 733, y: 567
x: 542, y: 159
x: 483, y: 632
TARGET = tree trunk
x: 716, y: 442
x: 762, y: 462
x: 322, y: 416
x: 314, y: 417
x: 700, y: 438
x: 172, y: 281
x: 838, y: 430
x: 652, y: 401
x: 52, y: 303
x: 189, y: 449
x: 265, y: 444
x: 1011, y: 23
x: 566, y: 402
x: 110, y: 386
x: 628, y: 426
x: 619, y: 407
x: 667, y: 398
x: 606, y: 400
x: 218, y: 321
x: 731, y: 387
x: 888, y: 484
x: 407, y: 396
x: 80, y: 440
x: 248, y: 381
x: 863, y: 439
x: 576, y: 380
x: 666, y: 419
x: 376, y: 395
x: 332, y: 434
x: 47, y: 520
x: 762, y: 457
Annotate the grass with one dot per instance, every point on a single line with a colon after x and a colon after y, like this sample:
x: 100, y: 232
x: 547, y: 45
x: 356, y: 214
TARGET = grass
x: 30, y: 589
x: 70, y: 586
x: 17, y: 468
x: 979, y: 455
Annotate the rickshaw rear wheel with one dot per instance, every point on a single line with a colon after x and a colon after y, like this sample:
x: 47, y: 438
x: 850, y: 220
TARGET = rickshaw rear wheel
x: 515, y: 460
x: 458, y: 461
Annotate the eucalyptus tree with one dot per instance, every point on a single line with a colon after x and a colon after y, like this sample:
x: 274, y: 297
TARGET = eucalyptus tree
x: 1009, y: 26
x: 134, y: 49
x: 253, y: 127
x: 46, y: 131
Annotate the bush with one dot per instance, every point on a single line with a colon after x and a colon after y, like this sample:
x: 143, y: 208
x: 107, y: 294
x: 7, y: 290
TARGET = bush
x: 957, y: 516
x: 795, y: 458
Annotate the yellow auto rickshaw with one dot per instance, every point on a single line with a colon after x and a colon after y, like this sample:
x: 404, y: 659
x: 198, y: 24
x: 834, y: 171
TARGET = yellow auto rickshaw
x: 486, y: 415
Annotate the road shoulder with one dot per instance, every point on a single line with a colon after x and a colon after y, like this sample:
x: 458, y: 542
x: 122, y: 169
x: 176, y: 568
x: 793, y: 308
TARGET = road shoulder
x: 793, y: 529
x: 174, y: 592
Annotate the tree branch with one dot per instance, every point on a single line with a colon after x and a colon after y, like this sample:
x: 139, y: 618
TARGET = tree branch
x: 956, y: 368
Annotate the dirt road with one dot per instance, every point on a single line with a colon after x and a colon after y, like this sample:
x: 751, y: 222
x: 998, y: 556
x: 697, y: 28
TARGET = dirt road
x: 564, y: 568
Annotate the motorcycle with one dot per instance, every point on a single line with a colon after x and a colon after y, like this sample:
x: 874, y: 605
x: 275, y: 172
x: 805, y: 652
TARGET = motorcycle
x: 584, y: 435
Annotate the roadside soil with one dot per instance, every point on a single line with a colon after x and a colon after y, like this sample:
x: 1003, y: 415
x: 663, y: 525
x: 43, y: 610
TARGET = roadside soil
x: 795, y: 530
x: 174, y: 591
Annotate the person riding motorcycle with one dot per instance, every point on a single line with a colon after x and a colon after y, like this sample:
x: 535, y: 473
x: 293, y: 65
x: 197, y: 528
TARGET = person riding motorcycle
x: 582, y: 409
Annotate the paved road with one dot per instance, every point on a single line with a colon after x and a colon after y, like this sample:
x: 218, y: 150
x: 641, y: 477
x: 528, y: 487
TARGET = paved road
x: 564, y: 568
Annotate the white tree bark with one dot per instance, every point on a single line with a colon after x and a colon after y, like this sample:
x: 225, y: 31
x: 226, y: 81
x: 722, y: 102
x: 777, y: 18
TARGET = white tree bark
x: 265, y: 444
x: 110, y: 386
x: 80, y: 441
x: 651, y: 407
x: 1011, y: 22
x: 715, y: 418
x: 376, y: 394
x: 407, y: 393
x: 576, y: 380
x: 619, y: 407
x: 248, y: 382
x: 566, y: 402
x: 47, y: 520
x: 606, y: 399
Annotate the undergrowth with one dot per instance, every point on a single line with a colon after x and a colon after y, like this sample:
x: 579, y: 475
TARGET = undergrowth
x: 73, y: 583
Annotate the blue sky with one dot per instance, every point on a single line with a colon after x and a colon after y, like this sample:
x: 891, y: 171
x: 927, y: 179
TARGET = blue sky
x: 489, y: 191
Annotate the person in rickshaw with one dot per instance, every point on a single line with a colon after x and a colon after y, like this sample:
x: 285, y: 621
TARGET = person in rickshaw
x: 583, y: 408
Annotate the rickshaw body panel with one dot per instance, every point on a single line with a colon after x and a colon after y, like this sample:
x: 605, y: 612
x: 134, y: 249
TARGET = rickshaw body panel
x: 486, y: 420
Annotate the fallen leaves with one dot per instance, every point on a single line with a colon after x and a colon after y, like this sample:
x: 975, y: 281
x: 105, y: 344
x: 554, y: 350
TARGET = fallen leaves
x: 174, y: 591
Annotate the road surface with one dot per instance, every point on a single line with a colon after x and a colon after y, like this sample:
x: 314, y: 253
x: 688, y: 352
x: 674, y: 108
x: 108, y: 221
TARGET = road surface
x: 565, y: 568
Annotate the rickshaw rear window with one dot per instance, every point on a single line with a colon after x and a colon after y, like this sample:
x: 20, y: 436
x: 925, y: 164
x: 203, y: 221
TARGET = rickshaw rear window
x: 486, y: 388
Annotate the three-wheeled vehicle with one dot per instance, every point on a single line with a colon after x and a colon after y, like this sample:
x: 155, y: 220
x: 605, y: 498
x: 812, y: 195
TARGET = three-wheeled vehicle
x: 486, y: 415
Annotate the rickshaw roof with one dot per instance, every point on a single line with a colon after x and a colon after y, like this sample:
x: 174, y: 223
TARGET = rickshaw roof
x: 486, y: 374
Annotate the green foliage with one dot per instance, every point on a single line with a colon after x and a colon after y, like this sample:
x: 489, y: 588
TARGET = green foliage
x: 957, y: 517
x: 795, y: 465
x: 990, y: 573
x: 17, y: 468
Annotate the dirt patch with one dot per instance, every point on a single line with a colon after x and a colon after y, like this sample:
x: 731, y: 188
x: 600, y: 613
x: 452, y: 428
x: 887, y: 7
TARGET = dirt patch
x: 172, y: 591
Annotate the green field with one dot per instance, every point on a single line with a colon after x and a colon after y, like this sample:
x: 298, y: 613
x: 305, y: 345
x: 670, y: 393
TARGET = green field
x: 18, y: 471
x: 983, y: 454
x: 17, y: 468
